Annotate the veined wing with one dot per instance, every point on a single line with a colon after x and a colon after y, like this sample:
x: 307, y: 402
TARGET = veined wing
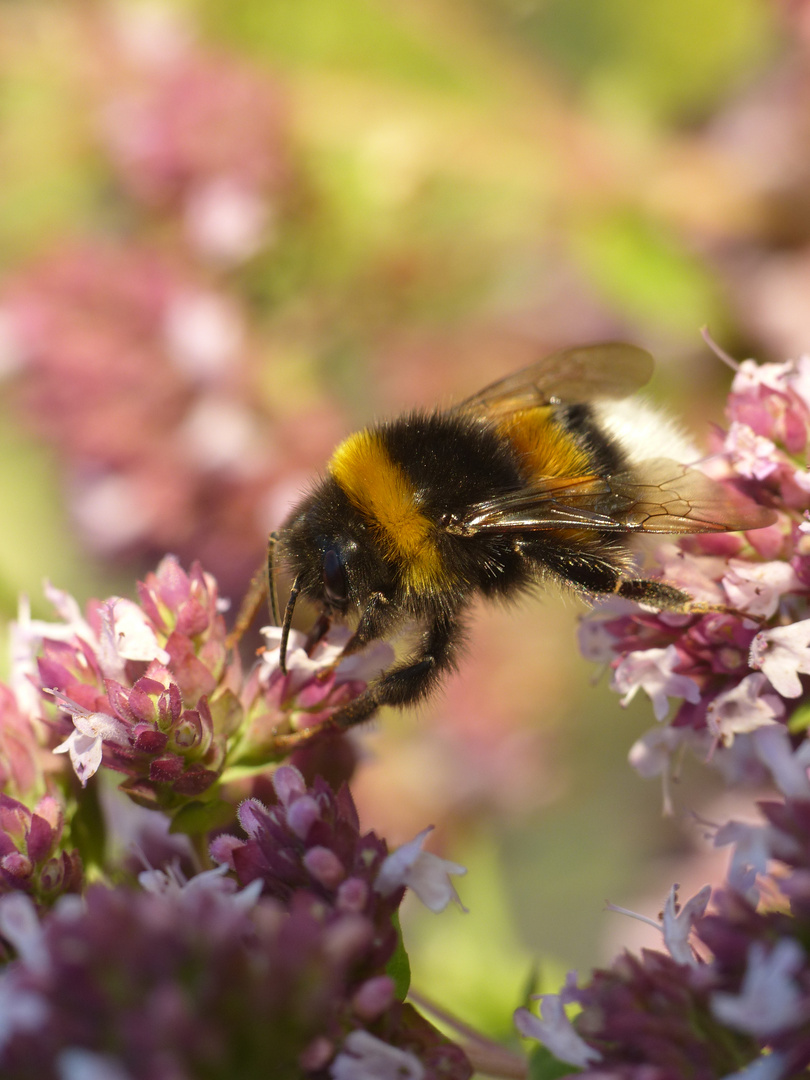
x: 661, y: 497
x: 586, y: 373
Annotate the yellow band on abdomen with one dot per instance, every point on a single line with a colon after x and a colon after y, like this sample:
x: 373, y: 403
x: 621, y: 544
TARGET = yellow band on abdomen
x: 384, y: 494
x: 544, y: 446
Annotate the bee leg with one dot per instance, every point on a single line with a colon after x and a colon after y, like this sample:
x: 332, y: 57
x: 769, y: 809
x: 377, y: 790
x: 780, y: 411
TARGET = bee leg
x: 665, y: 597
x: 373, y: 624
x: 659, y: 595
x: 599, y: 577
x: 318, y: 632
x: 411, y: 681
x: 400, y: 685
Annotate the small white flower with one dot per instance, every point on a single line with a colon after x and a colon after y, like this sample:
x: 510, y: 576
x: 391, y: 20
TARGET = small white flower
x: 126, y: 634
x: 756, y: 588
x: 652, y: 755
x: 742, y: 709
x: 427, y: 874
x: 364, y: 665
x: 227, y: 221
x: 19, y: 924
x: 365, y: 1057
x: 652, y: 670
x: 135, y: 637
x: 754, y: 455
x: 76, y: 1063
x: 556, y: 1032
x: 27, y: 635
x: 750, y: 854
x: 800, y: 383
x: 677, y: 925
x: 86, y: 743
x: 787, y: 766
x: 172, y: 882
x: 219, y: 433
x: 769, y: 1067
x: 20, y: 1010
x: 204, y: 334
x: 595, y: 641
x: 782, y: 654
x: 770, y: 1000
x: 750, y: 376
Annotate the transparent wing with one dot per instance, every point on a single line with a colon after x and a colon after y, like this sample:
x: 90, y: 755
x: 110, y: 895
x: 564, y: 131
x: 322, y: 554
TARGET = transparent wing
x: 663, y: 497
x: 589, y: 372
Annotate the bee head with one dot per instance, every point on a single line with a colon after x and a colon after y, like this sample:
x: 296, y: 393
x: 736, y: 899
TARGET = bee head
x: 326, y: 545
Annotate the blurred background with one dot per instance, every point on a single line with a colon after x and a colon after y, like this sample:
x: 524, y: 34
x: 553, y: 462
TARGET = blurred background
x: 231, y: 233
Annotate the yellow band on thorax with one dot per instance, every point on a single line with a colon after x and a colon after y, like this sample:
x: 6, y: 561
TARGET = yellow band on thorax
x: 384, y: 494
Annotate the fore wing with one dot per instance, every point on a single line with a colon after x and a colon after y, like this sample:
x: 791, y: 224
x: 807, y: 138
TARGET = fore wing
x: 590, y: 372
x: 664, y: 497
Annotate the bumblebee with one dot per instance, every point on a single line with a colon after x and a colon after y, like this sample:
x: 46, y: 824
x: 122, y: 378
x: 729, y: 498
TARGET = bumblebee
x: 546, y: 474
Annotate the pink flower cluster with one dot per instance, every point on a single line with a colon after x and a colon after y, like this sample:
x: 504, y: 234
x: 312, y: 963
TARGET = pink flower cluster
x: 32, y: 858
x: 737, y: 668
x: 135, y: 352
x: 140, y: 373
x: 144, y: 684
x: 205, y: 137
x: 303, y: 967
x: 735, y: 1002
x: 155, y: 691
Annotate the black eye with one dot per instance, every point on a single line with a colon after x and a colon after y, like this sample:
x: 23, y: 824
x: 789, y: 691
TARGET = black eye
x: 335, y: 584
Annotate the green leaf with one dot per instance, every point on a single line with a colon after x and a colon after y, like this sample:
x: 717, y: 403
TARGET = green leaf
x: 87, y: 829
x: 544, y: 1066
x: 800, y: 718
x: 226, y: 712
x: 197, y: 818
x: 399, y: 966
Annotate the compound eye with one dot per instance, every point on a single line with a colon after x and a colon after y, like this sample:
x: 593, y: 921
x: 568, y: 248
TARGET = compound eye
x: 335, y: 583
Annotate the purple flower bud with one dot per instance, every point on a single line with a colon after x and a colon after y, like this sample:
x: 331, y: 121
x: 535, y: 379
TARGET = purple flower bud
x: 288, y: 784
x: 302, y: 815
x: 325, y: 866
x: 374, y: 997
x: 352, y: 895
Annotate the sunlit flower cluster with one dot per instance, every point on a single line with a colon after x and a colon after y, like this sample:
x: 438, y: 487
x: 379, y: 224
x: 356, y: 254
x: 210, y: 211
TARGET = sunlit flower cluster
x: 154, y: 689
x: 146, y: 685
x: 739, y: 666
x: 303, y: 967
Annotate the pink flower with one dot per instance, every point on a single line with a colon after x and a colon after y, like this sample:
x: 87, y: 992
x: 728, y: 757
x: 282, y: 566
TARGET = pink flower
x: 426, y: 874
x: 677, y: 924
x: 556, y: 1032
x: 745, y: 707
x: 653, y: 670
x: 753, y: 455
x: 757, y: 588
x: 91, y: 730
x: 210, y: 134
x: 365, y: 1057
x: 770, y: 1000
x: 782, y: 654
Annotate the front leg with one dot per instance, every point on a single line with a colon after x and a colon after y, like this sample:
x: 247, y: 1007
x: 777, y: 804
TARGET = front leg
x: 411, y: 681
x: 401, y: 685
